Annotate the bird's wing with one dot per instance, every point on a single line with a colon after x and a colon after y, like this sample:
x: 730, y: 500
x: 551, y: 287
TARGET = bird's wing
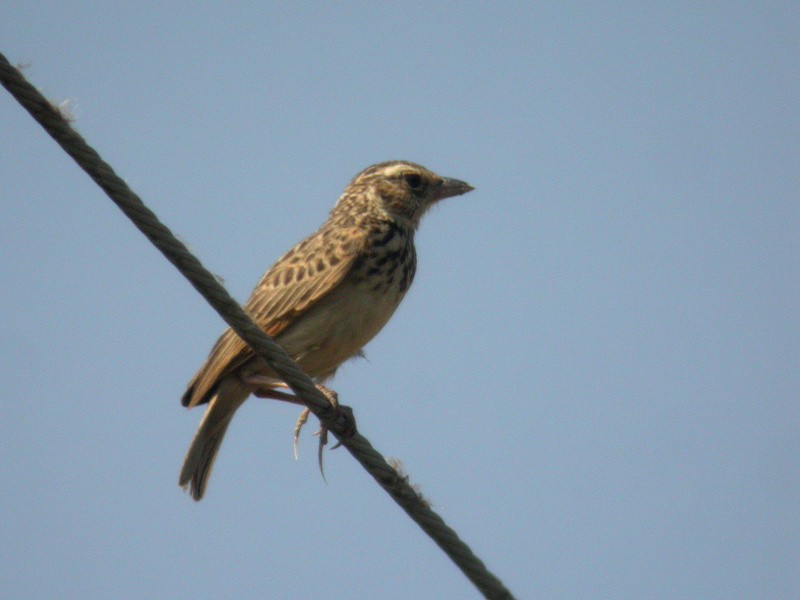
x: 300, y: 279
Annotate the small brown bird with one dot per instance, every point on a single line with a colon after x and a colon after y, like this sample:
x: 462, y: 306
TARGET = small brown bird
x: 322, y: 301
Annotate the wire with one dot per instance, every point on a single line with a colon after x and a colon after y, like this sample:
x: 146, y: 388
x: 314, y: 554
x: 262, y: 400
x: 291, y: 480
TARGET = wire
x: 396, y: 485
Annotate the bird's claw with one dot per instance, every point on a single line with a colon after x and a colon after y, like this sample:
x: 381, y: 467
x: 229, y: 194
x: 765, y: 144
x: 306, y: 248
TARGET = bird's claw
x: 323, y: 440
x: 345, y: 424
x: 301, y: 420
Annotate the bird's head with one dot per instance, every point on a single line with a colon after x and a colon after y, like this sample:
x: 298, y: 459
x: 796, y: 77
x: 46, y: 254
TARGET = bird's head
x: 402, y: 190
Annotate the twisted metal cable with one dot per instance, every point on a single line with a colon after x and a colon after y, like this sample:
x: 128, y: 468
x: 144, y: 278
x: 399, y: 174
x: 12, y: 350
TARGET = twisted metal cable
x: 215, y: 294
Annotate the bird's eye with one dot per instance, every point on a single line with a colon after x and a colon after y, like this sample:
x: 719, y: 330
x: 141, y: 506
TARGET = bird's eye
x: 415, y: 182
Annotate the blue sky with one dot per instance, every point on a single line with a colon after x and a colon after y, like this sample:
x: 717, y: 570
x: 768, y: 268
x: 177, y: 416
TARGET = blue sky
x: 594, y: 377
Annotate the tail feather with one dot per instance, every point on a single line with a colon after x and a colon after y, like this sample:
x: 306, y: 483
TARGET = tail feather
x: 204, y: 447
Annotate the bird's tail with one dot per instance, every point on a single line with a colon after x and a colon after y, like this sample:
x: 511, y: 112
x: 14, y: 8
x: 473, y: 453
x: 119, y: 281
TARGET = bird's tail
x: 200, y: 458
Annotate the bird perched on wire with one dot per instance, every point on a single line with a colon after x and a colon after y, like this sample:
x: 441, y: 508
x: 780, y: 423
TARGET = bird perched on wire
x: 322, y: 301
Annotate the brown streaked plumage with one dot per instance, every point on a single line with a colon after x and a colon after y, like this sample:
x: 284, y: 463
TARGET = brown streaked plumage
x: 323, y: 300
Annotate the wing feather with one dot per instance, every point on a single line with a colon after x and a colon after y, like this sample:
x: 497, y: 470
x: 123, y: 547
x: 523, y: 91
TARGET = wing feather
x: 300, y: 279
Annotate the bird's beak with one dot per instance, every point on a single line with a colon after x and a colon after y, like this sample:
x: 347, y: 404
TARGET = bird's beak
x: 451, y: 187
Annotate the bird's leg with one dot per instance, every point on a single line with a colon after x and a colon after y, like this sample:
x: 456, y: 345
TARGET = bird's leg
x: 264, y: 387
x: 273, y: 394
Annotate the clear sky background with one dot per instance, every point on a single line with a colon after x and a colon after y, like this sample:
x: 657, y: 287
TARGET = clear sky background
x: 594, y: 378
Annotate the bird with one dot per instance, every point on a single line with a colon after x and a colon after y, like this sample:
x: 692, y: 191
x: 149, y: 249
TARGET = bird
x: 322, y: 301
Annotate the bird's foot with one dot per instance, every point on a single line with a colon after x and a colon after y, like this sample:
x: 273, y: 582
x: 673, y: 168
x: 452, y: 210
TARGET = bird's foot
x: 343, y: 415
x: 345, y: 420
